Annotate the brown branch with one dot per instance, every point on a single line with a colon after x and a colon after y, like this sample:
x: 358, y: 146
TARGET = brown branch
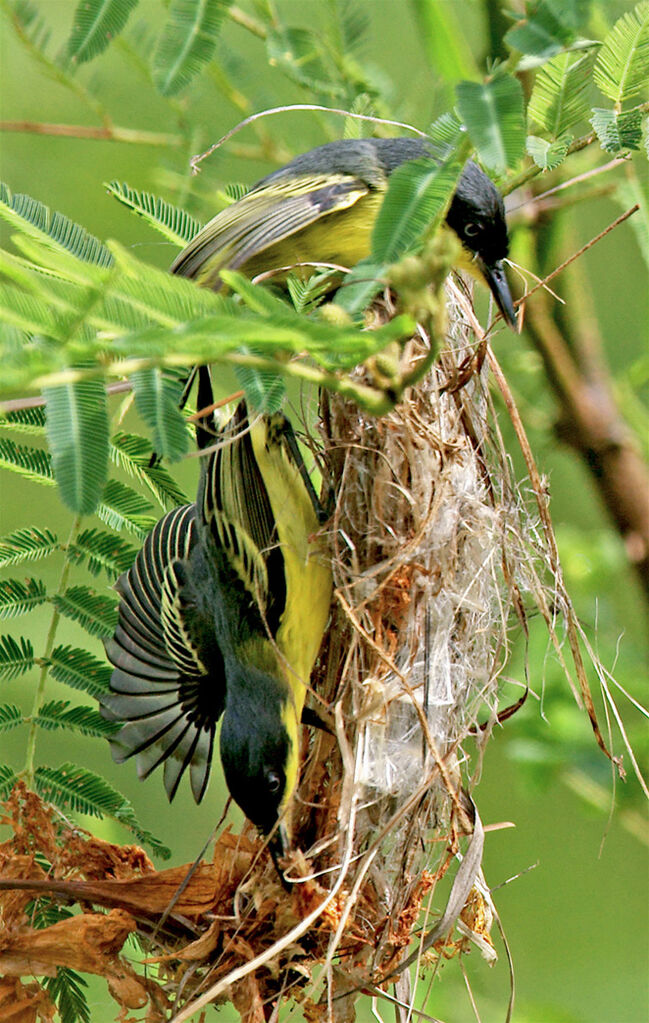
x: 37, y: 400
x: 110, y: 133
x: 590, y: 421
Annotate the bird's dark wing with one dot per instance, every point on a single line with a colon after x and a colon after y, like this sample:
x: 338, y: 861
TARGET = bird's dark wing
x: 262, y: 218
x: 168, y: 684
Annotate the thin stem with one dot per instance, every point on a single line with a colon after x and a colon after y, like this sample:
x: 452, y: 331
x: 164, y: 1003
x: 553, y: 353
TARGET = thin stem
x: 28, y: 770
x: 105, y: 132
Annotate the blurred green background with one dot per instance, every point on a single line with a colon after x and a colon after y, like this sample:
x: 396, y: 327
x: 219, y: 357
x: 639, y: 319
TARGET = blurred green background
x: 577, y: 923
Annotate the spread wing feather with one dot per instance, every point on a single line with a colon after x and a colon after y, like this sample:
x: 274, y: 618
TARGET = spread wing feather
x: 165, y: 683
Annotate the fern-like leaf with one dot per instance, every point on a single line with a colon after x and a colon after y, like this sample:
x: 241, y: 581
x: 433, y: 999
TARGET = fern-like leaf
x: 70, y: 786
x: 57, y: 714
x: 123, y: 508
x: 622, y: 68
x: 40, y: 222
x: 134, y: 454
x: 264, y: 390
x: 494, y: 118
x: 105, y: 552
x: 16, y: 656
x: 95, y: 612
x: 157, y: 398
x: 548, y: 155
x: 8, y: 779
x: 559, y: 98
x: 27, y: 312
x: 79, y: 669
x: 77, y: 430
x: 17, y: 598
x: 10, y: 717
x: 617, y: 132
x: 32, y: 463
x: 26, y: 420
x: 175, y: 224
x: 187, y: 43
x: 27, y: 544
x: 96, y: 23
x: 543, y: 30
x: 66, y: 991
x: 416, y: 198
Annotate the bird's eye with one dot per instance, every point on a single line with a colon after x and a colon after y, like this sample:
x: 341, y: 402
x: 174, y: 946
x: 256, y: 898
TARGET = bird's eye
x: 274, y: 782
x: 471, y: 230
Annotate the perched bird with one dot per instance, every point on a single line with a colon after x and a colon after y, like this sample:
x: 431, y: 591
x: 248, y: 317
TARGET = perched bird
x: 321, y: 208
x: 222, y: 614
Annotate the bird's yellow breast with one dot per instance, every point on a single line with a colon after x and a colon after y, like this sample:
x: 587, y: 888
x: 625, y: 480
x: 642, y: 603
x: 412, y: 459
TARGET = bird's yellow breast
x: 307, y: 572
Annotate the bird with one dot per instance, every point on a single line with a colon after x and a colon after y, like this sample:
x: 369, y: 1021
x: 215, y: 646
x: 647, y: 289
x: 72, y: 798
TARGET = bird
x: 321, y: 208
x: 221, y: 616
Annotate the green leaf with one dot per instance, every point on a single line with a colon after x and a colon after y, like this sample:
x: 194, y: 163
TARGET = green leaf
x: 70, y: 786
x: 65, y: 990
x: 15, y: 657
x: 633, y: 190
x: 543, y: 30
x: 105, y: 552
x: 26, y: 420
x: 26, y: 544
x: 134, y: 454
x: 73, y: 787
x: 187, y: 43
x: 157, y: 398
x: 445, y: 133
x: 39, y: 222
x: 559, y: 98
x: 548, y: 155
x: 27, y: 313
x: 95, y: 25
x: 264, y: 390
x: 416, y: 199
x: 361, y: 285
x: 444, y: 40
x: 622, y: 68
x: 77, y: 431
x: 172, y: 222
x: 123, y: 508
x: 17, y: 598
x: 57, y: 714
x: 494, y: 118
x: 80, y: 670
x: 95, y: 612
x: 617, y: 132
x: 8, y: 779
x: 10, y: 717
x: 299, y: 54
x: 32, y: 463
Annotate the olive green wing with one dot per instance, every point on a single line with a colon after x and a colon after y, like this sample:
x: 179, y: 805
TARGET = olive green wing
x: 168, y: 684
x: 265, y: 216
x: 240, y: 523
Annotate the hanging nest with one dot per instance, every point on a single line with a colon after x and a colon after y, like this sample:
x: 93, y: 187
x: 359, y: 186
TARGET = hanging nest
x: 431, y: 548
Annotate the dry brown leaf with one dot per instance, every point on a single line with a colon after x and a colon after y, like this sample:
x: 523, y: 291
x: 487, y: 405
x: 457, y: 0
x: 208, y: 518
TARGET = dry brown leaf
x: 88, y: 942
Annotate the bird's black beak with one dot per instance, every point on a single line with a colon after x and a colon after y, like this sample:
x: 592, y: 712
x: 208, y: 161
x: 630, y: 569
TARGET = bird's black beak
x: 278, y: 846
x: 494, y: 275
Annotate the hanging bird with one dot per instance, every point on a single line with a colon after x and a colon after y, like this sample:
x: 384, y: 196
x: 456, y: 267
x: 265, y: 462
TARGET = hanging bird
x: 321, y: 208
x: 222, y: 614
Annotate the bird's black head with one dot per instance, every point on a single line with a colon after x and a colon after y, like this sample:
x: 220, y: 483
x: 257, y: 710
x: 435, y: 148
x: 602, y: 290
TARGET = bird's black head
x: 259, y: 751
x: 477, y: 215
